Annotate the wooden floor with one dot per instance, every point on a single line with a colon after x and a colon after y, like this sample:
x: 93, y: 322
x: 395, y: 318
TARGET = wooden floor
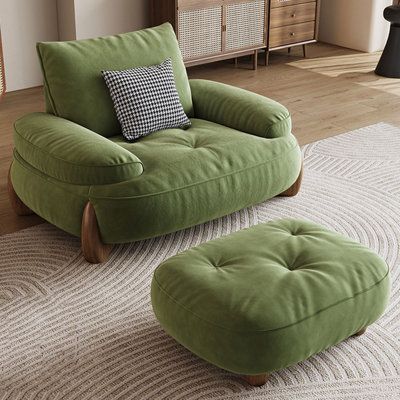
x: 333, y: 91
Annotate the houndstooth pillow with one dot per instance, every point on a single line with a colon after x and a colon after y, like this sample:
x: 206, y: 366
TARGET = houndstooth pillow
x: 146, y: 100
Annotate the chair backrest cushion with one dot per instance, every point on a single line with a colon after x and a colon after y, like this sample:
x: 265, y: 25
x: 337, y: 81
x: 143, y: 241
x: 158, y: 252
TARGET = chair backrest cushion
x: 75, y: 88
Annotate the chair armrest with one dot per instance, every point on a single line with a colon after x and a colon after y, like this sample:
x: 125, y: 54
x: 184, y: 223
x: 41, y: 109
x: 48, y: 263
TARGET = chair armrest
x: 239, y: 109
x: 71, y: 153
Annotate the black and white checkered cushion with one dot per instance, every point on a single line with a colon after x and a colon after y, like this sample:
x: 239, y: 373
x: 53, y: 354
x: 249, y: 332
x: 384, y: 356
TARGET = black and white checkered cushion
x: 146, y: 100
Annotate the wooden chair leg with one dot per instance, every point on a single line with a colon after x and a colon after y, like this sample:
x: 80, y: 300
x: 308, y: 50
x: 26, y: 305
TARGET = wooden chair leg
x: 16, y: 203
x: 93, y: 248
x: 361, y: 332
x: 294, y: 189
x: 256, y: 380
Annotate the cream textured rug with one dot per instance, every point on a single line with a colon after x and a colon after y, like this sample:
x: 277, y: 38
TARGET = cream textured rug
x: 71, y: 330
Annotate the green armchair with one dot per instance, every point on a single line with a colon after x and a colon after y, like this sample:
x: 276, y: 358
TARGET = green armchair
x: 72, y: 167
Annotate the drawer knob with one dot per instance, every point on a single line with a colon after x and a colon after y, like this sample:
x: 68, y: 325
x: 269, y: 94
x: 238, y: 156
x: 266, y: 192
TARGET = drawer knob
x: 291, y: 33
x: 293, y: 15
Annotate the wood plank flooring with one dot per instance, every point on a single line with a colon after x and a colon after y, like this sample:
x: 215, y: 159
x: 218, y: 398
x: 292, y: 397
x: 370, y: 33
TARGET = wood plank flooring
x: 333, y: 91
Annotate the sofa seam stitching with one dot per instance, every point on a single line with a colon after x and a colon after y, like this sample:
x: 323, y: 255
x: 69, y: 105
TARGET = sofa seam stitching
x: 268, y: 330
x: 46, y: 81
x: 40, y: 174
x: 197, y: 183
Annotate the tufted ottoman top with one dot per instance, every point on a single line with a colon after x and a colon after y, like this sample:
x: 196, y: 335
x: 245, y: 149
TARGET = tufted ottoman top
x: 269, y: 296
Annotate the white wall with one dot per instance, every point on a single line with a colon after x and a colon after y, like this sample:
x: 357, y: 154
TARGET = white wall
x: 356, y: 24
x: 23, y: 23
x: 105, y: 17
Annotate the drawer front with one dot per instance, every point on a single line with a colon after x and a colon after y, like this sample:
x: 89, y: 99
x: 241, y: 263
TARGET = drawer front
x: 291, y: 15
x: 291, y: 34
x: 283, y: 3
x: 199, y: 32
x: 245, y: 24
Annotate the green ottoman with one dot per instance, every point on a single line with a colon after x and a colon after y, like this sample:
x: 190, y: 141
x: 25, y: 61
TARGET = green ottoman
x: 269, y: 296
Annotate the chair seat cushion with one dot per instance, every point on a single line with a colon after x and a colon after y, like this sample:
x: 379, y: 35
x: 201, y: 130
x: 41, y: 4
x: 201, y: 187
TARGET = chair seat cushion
x: 175, y: 158
x: 194, y: 175
x: 264, y: 298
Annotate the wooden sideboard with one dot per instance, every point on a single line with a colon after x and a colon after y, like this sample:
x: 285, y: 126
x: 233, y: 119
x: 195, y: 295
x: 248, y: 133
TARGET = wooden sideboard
x: 212, y: 30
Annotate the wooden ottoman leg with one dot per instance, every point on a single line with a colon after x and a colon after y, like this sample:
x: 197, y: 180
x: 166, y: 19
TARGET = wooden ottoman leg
x: 294, y: 189
x: 361, y: 332
x: 16, y: 203
x: 256, y: 380
x: 93, y: 248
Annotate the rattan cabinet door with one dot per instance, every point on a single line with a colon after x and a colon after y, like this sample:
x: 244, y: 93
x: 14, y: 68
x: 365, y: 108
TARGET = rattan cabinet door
x: 199, y: 32
x: 245, y: 24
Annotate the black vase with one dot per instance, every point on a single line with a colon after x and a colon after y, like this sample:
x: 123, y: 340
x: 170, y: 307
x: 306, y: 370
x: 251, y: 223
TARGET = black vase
x: 389, y: 64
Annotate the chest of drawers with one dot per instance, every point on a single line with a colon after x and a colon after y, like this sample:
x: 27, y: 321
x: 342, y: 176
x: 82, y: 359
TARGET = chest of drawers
x: 292, y: 22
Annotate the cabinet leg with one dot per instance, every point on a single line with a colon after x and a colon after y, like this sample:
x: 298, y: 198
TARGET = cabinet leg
x: 266, y: 61
x: 236, y: 62
x: 304, y: 51
x: 289, y: 50
x: 255, y: 59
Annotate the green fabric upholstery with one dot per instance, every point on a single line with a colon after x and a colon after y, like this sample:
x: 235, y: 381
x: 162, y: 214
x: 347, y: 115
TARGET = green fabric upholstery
x: 59, y: 203
x: 238, y: 152
x: 239, y: 109
x: 71, y: 153
x: 270, y: 296
x: 190, y: 176
x: 75, y: 89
